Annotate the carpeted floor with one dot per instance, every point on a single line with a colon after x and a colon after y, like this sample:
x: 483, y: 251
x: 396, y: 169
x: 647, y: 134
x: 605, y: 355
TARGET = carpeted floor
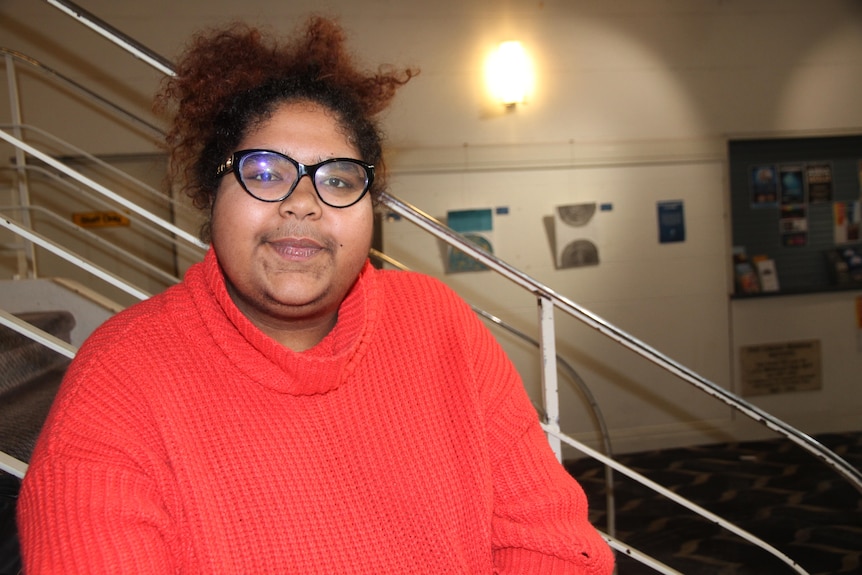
x: 773, y: 489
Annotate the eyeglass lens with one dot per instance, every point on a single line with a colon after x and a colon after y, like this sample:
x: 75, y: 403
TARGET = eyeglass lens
x: 270, y: 177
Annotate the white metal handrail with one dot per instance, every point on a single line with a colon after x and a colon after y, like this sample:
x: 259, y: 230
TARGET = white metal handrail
x: 9, y: 464
x: 129, y: 205
x: 82, y: 192
x: 12, y: 56
x: 12, y: 465
x: 71, y: 257
x: 431, y: 225
x: 646, y: 482
x: 125, y: 254
x: 114, y: 35
x: 81, y: 155
x: 26, y: 328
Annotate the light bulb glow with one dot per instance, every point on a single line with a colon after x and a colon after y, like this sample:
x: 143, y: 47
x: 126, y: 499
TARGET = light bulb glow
x: 510, y: 73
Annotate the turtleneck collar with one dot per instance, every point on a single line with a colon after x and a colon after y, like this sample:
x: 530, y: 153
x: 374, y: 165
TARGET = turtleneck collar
x: 320, y: 369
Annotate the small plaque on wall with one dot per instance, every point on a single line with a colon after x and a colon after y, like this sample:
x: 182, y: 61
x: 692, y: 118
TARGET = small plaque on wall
x: 100, y: 219
x: 780, y: 367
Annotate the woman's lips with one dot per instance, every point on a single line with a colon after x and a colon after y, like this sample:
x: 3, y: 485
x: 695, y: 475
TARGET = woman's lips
x: 296, y: 249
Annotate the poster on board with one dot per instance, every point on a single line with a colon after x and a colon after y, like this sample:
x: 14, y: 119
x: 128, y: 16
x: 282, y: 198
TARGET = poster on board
x: 793, y: 225
x: 847, y: 217
x: 791, y: 184
x: 819, y: 177
x: 763, y: 185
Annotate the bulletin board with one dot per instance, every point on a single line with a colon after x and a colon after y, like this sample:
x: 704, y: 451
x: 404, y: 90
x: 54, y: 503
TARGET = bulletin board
x: 795, y: 203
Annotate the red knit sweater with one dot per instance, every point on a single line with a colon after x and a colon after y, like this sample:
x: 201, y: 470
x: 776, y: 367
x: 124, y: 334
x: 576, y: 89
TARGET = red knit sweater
x: 184, y: 440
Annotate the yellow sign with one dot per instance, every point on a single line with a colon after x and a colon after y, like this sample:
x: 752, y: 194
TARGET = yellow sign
x: 100, y: 219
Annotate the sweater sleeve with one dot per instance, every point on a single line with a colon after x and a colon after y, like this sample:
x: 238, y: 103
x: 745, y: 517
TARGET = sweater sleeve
x: 90, y: 501
x: 540, y: 523
x: 540, y: 520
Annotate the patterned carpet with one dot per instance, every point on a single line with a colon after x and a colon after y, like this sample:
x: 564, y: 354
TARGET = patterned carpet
x: 773, y: 489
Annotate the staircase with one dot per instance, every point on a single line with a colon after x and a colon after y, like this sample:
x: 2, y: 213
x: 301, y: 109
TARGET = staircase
x: 31, y: 374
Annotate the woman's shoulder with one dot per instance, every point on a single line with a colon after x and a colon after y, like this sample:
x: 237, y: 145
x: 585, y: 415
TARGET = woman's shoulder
x: 142, y: 322
x: 415, y: 283
x: 418, y: 294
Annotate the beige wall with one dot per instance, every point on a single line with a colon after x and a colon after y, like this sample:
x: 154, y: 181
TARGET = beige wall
x: 634, y: 104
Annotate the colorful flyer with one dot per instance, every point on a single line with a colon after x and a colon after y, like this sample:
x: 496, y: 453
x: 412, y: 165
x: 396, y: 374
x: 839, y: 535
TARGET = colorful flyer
x: 791, y: 184
x: 819, y: 178
x: 763, y: 183
x: 793, y: 225
x: 847, y: 217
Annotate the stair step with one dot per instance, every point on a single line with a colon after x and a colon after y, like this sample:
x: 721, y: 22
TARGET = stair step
x: 22, y: 359
x: 30, y: 375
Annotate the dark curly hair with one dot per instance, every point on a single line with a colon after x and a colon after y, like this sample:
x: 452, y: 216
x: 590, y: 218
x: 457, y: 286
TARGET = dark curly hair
x: 231, y: 79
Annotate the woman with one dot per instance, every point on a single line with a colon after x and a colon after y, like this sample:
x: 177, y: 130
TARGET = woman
x: 288, y: 408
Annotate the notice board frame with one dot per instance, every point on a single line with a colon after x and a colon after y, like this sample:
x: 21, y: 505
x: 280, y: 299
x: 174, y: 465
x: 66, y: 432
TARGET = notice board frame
x: 757, y: 227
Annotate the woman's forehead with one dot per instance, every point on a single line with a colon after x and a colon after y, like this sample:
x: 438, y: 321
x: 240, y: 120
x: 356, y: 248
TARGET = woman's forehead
x: 296, y: 127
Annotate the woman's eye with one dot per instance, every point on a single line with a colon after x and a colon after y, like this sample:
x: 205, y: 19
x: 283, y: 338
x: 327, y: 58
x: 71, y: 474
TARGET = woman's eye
x: 267, y: 176
x: 334, y: 182
x: 262, y: 176
x: 263, y: 169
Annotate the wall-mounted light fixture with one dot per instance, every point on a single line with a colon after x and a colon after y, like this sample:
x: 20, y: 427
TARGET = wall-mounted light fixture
x: 509, y: 74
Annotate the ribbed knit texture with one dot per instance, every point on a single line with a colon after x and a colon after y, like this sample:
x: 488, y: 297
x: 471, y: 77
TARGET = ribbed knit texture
x: 186, y: 441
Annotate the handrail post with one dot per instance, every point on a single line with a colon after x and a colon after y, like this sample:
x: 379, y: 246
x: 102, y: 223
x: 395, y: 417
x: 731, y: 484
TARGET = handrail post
x: 27, y: 254
x: 550, y: 389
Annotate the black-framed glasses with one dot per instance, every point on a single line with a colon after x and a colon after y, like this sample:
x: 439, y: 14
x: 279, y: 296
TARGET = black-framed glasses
x: 271, y: 177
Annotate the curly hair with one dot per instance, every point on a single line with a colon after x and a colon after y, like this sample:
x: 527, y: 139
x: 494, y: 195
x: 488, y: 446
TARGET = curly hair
x: 231, y: 79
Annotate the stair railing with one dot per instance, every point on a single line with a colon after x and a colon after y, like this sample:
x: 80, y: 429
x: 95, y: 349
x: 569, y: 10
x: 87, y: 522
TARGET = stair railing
x: 99, y: 188
x: 15, y: 132
x: 123, y: 254
x: 12, y: 57
x: 80, y: 155
x: 80, y: 192
x: 71, y: 257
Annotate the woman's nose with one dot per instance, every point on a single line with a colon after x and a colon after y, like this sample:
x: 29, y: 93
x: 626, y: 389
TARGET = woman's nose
x: 303, y: 200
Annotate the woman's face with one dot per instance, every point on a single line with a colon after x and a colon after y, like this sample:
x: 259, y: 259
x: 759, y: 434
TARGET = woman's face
x: 289, y: 264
